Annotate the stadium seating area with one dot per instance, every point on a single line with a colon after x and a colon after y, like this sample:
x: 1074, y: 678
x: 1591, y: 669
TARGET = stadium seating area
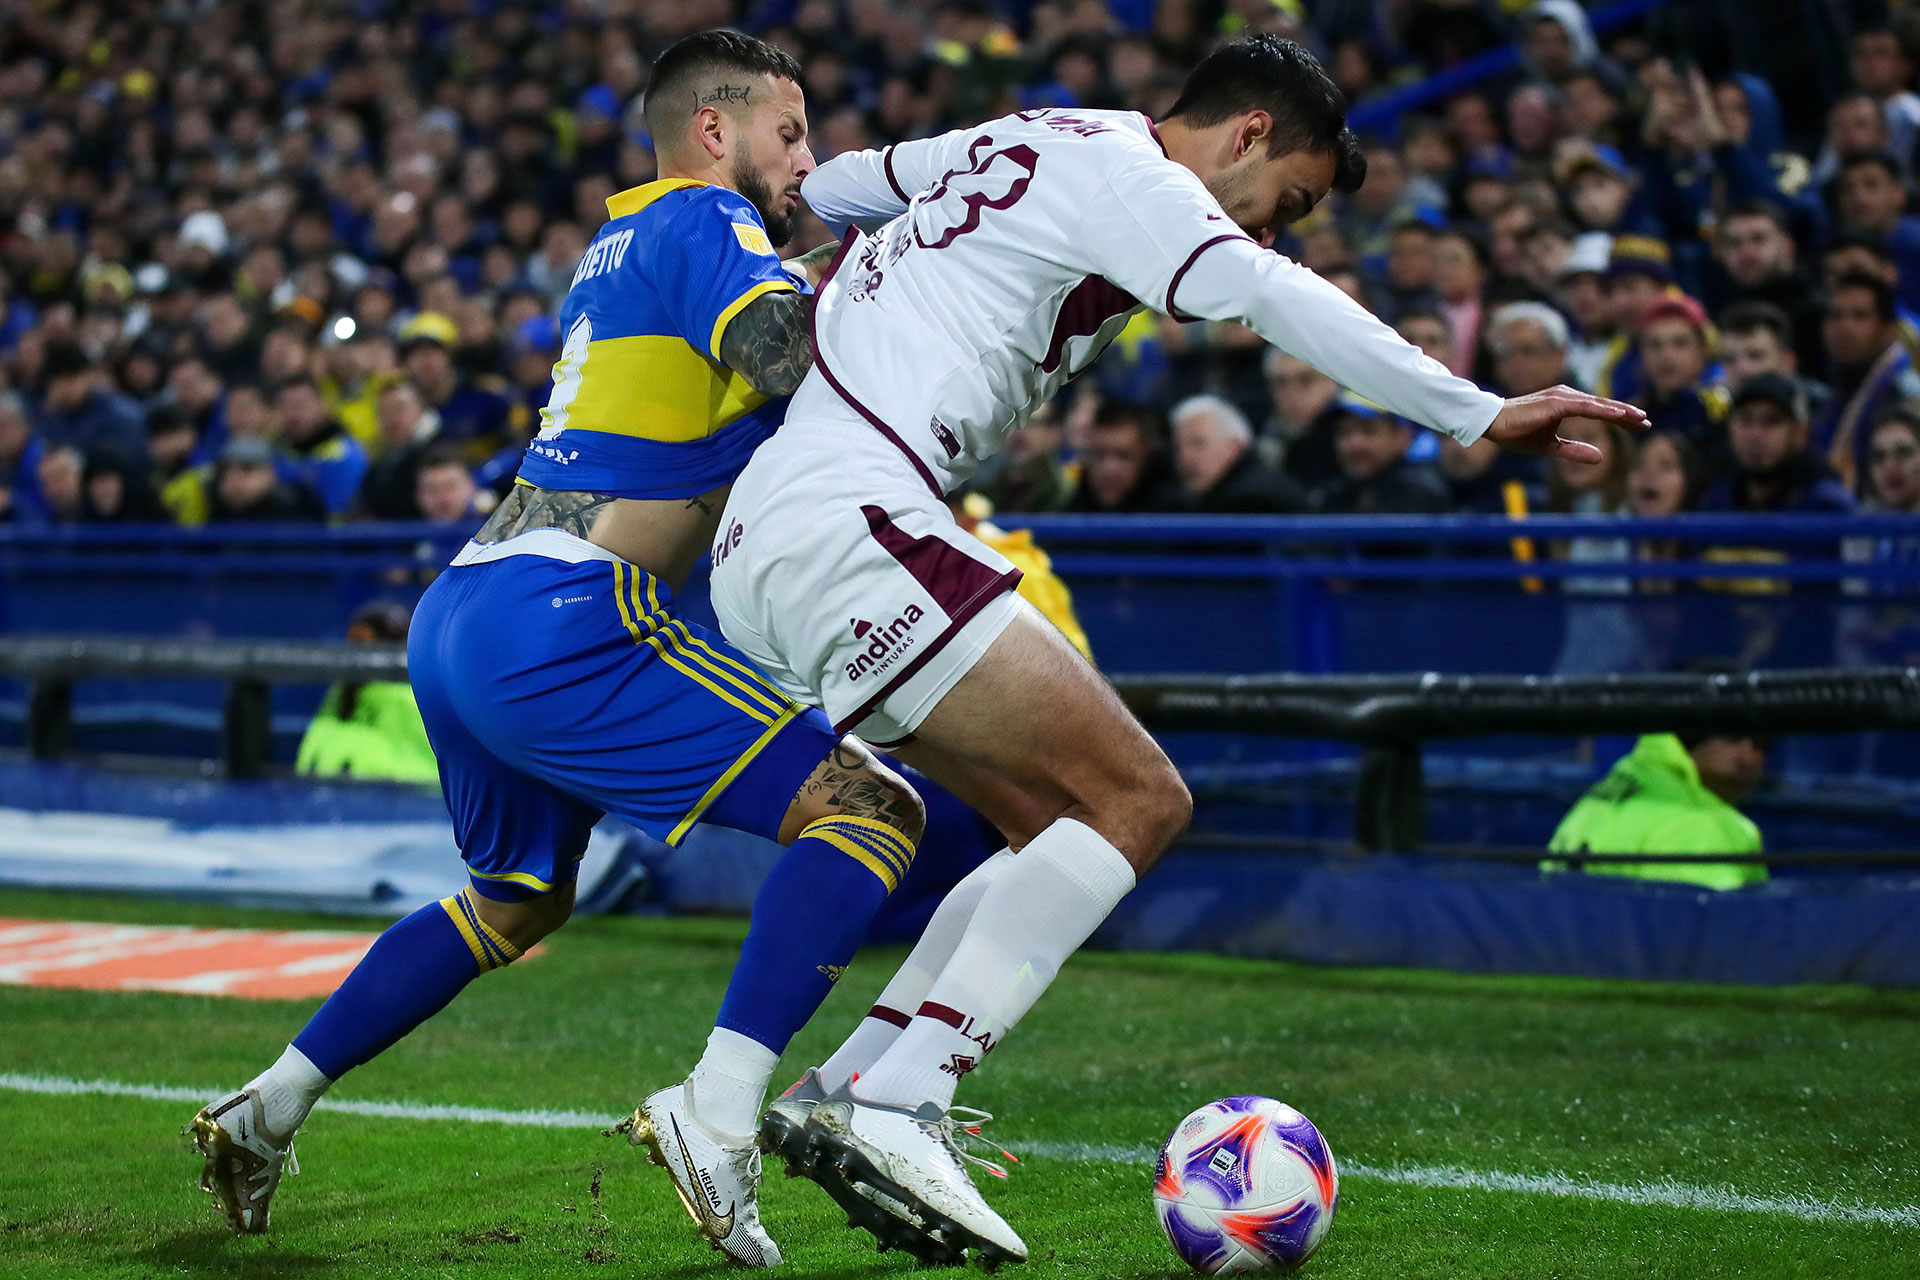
x: 301, y: 263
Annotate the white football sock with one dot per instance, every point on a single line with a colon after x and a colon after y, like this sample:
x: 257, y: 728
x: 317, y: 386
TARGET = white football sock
x: 730, y: 1082
x: 288, y: 1089
x: 1033, y: 916
x: 909, y: 987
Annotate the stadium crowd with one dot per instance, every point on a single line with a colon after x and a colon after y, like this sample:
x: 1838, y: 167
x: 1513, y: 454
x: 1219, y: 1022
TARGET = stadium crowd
x: 290, y: 261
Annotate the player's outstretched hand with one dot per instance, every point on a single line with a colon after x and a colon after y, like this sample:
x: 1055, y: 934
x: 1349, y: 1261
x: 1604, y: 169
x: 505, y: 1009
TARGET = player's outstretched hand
x: 1526, y: 424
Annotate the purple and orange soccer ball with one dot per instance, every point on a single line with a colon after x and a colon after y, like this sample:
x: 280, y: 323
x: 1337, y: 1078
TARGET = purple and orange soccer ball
x: 1245, y: 1185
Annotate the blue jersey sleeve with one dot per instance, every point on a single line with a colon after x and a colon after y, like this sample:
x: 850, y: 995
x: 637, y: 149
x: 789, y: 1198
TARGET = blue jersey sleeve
x: 713, y: 261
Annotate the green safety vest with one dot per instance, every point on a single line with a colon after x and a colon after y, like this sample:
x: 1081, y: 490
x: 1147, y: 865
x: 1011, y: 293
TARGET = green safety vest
x: 384, y: 739
x: 1652, y: 801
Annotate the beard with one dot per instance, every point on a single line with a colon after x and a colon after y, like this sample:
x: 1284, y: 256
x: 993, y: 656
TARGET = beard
x: 748, y: 182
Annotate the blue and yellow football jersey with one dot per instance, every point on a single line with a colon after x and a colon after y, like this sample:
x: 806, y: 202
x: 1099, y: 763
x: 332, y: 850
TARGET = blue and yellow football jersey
x: 642, y: 406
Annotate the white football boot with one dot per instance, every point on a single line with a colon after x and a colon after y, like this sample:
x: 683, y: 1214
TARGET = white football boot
x: 244, y: 1159
x: 783, y: 1127
x: 716, y: 1180
x: 907, y: 1163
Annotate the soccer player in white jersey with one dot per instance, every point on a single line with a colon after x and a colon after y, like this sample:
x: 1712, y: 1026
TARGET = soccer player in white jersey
x: 997, y: 262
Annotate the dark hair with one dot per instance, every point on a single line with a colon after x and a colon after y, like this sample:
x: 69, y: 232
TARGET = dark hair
x: 1752, y: 317
x: 297, y: 380
x: 1124, y: 413
x: 1873, y: 244
x: 1873, y: 156
x: 1266, y: 73
x: 443, y: 454
x: 1882, y: 292
x: 671, y: 94
x: 1693, y: 468
x: 1901, y: 413
x: 1758, y: 208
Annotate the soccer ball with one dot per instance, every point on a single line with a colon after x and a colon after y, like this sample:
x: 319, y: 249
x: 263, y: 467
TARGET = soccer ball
x: 1245, y: 1185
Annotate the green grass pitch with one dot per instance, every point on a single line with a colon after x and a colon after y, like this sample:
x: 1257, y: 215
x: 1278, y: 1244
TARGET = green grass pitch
x: 1639, y: 1092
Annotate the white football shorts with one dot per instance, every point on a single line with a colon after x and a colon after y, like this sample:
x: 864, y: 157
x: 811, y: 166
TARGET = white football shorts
x: 841, y: 573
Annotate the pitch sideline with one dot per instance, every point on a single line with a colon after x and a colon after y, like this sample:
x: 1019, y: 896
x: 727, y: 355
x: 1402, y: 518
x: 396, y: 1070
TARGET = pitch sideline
x: 1665, y: 1194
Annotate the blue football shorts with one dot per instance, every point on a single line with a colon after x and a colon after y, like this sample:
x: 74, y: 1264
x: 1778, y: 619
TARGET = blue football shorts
x: 557, y: 686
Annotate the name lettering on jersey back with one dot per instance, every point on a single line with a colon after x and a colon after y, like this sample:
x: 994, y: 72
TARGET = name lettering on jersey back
x: 606, y: 255
x: 1057, y: 120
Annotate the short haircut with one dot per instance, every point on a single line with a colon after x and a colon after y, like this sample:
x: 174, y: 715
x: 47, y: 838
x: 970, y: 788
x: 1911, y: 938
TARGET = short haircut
x: 293, y: 380
x: 673, y: 93
x: 1873, y: 244
x: 1266, y: 73
x: 1529, y: 313
x: 1229, y: 419
x: 1474, y: 242
x: 1758, y: 317
x: 443, y: 454
x: 1883, y: 303
x: 1124, y: 413
x: 1758, y: 208
x: 1874, y: 156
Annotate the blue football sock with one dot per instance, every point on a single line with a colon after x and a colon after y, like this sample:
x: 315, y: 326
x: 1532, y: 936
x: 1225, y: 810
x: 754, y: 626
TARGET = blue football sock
x: 416, y: 968
x: 809, y: 918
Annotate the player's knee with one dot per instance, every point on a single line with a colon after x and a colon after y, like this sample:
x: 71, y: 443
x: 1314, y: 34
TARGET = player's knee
x: 523, y: 923
x: 853, y: 783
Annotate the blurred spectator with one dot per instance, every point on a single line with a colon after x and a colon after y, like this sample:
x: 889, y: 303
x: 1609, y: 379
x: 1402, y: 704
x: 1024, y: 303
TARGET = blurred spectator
x: 1671, y: 795
x: 1427, y: 330
x: 1028, y: 475
x: 247, y: 487
x: 1219, y: 471
x: 1304, y: 409
x: 1459, y: 281
x: 1754, y: 249
x: 118, y: 492
x: 1375, y: 478
x: 370, y: 729
x: 1893, y: 464
x: 407, y: 429
x: 1870, y: 195
x: 1773, y: 470
x: 82, y: 411
x: 445, y: 490
x: 20, y: 499
x: 1407, y: 282
x: 1122, y: 467
x: 1529, y: 345
x: 471, y: 416
x: 1582, y: 295
x: 171, y: 441
x: 1676, y: 388
x: 320, y: 454
x: 1639, y: 274
x: 1869, y: 366
x: 61, y: 484
x: 1883, y: 66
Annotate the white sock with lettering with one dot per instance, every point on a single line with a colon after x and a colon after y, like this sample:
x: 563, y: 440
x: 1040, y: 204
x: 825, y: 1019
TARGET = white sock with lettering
x: 730, y: 1082
x: 1032, y: 917
x: 288, y: 1089
x: 909, y: 987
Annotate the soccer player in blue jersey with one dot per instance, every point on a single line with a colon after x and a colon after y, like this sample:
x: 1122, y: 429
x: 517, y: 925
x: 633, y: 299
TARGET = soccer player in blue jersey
x: 557, y: 683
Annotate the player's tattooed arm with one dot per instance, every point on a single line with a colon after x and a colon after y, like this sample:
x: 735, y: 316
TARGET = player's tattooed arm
x: 850, y: 786
x: 768, y: 343
x: 530, y: 508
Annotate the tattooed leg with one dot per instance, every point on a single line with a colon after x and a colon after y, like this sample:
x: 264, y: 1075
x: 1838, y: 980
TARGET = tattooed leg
x: 851, y: 782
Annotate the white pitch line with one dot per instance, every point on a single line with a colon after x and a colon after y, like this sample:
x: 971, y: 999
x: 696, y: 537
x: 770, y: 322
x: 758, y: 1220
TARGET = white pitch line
x: 1666, y: 1194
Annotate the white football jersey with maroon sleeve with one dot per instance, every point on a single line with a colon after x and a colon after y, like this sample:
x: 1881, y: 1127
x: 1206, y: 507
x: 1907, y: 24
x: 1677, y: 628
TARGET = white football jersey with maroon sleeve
x: 1039, y: 238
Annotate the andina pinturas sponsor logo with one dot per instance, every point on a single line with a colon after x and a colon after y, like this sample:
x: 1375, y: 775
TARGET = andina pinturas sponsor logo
x: 885, y: 641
